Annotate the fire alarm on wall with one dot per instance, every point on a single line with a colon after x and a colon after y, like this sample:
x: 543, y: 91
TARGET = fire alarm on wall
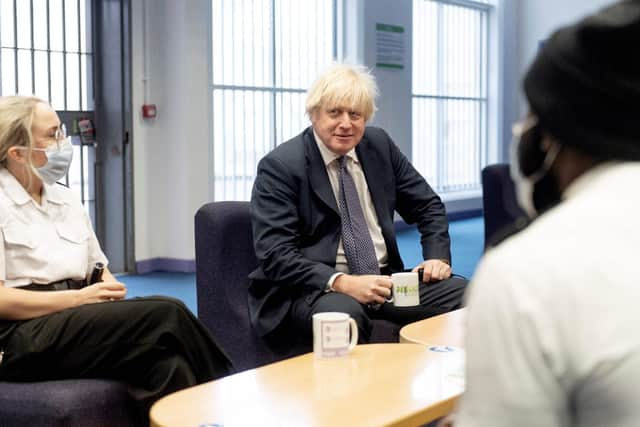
x: 149, y: 111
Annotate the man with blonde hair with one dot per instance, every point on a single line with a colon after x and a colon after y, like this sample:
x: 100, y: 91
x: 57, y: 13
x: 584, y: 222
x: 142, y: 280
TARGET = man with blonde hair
x: 322, y: 209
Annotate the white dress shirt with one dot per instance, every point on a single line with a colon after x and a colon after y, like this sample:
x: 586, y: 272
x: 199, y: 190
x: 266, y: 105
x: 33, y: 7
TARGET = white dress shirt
x: 355, y: 170
x: 553, y: 311
x: 47, y: 242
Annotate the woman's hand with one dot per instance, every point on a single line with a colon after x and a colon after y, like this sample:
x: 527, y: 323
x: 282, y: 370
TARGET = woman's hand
x: 19, y: 304
x: 103, y: 291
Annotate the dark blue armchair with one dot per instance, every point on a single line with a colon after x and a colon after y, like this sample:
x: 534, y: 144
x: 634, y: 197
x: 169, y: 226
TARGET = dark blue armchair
x: 502, y: 215
x: 224, y: 259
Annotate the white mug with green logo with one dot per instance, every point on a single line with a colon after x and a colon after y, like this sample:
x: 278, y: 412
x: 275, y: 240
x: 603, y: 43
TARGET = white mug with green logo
x: 405, y: 290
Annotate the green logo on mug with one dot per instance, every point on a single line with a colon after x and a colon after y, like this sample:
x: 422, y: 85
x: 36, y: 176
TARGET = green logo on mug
x: 406, y: 290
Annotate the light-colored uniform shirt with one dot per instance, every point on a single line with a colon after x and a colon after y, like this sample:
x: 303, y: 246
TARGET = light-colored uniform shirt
x: 355, y: 170
x: 47, y: 242
x: 553, y: 314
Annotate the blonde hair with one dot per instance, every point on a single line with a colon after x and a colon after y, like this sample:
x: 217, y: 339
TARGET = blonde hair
x: 344, y: 85
x: 16, y: 119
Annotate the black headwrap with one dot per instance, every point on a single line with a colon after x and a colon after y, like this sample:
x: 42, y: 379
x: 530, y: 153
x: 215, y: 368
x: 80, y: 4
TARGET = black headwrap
x: 584, y: 85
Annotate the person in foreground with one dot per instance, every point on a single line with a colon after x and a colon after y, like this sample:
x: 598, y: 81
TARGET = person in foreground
x: 553, y: 309
x: 322, y: 211
x: 52, y: 325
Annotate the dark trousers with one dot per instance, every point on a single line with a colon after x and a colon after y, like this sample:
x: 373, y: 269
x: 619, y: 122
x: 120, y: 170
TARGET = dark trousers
x: 155, y: 344
x: 435, y: 298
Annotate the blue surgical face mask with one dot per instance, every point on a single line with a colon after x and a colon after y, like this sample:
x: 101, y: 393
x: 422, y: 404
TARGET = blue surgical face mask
x: 59, y: 158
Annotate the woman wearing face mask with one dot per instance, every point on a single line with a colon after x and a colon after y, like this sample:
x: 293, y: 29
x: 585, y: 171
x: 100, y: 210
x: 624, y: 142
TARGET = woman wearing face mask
x: 52, y: 324
x: 552, y: 310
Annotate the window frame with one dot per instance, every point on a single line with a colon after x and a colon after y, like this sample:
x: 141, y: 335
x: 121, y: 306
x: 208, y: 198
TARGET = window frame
x: 484, y: 99
x: 274, y: 89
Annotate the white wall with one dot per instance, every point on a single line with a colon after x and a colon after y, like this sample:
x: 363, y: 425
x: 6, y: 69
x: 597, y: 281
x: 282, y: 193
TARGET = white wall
x: 394, y: 103
x: 171, y: 152
x: 509, y: 80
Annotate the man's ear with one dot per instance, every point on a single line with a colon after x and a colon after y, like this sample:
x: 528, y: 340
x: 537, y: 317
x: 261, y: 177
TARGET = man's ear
x: 313, y: 115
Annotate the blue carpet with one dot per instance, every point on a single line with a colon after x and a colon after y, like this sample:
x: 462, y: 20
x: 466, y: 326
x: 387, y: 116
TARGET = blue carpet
x: 466, y: 247
x: 178, y: 285
x: 467, y: 244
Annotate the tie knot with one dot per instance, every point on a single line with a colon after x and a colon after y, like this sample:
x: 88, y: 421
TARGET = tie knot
x: 342, y: 161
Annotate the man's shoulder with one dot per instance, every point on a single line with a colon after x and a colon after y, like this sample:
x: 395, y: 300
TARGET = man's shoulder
x: 376, y: 135
x: 376, y: 139
x: 291, y: 150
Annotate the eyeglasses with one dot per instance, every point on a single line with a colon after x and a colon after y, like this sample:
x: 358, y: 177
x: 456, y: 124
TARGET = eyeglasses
x: 59, y: 136
x: 60, y: 133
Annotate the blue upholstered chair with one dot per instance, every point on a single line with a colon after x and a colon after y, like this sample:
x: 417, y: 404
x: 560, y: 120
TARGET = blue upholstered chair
x: 70, y: 403
x: 224, y: 259
x: 500, y: 206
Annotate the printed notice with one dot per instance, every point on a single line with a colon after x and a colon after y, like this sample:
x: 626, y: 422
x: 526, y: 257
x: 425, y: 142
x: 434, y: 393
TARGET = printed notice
x: 390, y: 46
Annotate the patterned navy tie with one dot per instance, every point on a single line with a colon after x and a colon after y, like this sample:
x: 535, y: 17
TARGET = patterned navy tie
x: 358, y: 246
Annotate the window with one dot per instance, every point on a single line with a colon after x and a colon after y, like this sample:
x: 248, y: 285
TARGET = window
x: 449, y: 92
x: 45, y: 50
x: 265, y: 55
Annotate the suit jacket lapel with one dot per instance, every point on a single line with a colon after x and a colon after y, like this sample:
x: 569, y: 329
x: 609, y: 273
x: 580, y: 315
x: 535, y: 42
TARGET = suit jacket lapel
x: 318, y: 177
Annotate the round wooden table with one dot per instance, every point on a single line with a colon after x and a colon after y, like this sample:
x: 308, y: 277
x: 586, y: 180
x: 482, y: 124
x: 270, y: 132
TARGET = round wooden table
x: 375, y: 385
x: 445, y: 329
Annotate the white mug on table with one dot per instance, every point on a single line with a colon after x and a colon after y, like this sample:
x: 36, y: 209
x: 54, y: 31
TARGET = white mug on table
x: 334, y: 334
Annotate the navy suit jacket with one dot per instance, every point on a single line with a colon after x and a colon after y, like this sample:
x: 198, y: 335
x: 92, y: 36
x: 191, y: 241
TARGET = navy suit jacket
x: 296, y: 221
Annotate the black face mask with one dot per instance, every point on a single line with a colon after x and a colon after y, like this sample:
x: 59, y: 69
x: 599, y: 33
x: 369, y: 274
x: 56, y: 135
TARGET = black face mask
x: 546, y: 194
x: 530, y: 160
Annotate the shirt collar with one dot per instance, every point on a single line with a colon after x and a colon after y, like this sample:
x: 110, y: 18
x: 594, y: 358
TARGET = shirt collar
x: 53, y: 194
x: 16, y: 192
x: 329, y: 156
x: 589, y: 178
